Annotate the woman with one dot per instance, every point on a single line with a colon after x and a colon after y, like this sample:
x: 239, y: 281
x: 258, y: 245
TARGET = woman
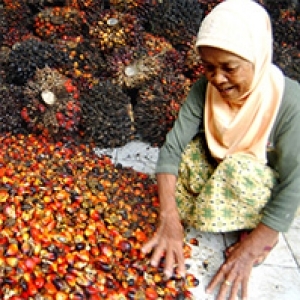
x: 232, y: 160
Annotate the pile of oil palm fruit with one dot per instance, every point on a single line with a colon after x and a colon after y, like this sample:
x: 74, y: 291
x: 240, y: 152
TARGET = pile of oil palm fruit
x: 76, y: 75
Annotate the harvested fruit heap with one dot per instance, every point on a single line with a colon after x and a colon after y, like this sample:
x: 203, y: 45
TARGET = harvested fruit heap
x: 72, y: 226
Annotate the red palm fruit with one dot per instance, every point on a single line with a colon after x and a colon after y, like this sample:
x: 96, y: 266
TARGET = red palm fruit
x: 12, y: 250
x: 39, y: 282
x: 61, y: 296
x: 151, y: 293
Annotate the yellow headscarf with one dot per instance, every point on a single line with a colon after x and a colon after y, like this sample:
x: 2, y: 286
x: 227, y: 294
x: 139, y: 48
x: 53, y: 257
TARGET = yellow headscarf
x: 242, y: 27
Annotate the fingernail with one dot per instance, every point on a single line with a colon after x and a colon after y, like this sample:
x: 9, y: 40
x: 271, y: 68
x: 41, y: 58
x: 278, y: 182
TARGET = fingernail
x: 207, y: 291
x: 182, y: 274
x: 153, y: 263
x: 168, y: 274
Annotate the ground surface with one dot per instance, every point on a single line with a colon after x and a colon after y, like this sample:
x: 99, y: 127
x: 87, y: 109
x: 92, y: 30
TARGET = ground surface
x: 278, y: 278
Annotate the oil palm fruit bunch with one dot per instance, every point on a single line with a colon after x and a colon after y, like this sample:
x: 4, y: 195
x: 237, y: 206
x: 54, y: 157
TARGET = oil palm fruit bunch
x: 55, y: 22
x: 11, y: 101
x: 28, y: 56
x: 106, y: 116
x: 115, y: 29
x: 157, y: 107
x: 177, y: 21
x: 130, y: 67
x: 52, y: 105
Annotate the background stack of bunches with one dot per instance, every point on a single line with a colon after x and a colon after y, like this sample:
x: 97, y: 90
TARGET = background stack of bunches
x: 75, y: 75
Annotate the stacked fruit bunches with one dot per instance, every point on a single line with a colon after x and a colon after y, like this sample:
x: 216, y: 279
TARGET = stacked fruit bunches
x: 157, y: 107
x: 11, y: 101
x: 14, y: 22
x: 73, y: 224
x: 52, y: 105
x: 115, y: 29
x: 28, y: 56
x: 107, y: 117
x: 178, y: 21
x: 53, y: 23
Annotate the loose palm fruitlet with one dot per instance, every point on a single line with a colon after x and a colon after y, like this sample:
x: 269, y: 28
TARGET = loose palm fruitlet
x: 72, y: 225
x: 51, y: 105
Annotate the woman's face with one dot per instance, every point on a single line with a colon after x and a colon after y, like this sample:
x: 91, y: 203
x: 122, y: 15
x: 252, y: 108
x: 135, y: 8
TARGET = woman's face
x: 230, y: 74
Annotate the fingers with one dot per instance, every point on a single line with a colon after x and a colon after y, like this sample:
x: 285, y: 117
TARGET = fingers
x: 147, y: 248
x: 169, y: 263
x: 217, y: 279
x: 230, y: 281
x: 157, y: 254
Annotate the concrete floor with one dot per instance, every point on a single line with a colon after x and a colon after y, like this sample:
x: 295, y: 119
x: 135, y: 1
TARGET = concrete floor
x: 278, y: 278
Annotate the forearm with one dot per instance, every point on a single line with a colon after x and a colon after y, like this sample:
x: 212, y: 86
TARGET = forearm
x: 263, y: 236
x: 166, y: 192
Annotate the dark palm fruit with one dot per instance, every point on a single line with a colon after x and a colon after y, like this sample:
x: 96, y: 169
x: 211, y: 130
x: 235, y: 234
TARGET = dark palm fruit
x: 157, y: 107
x: 38, y: 5
x: 106, y: 116
x: 14, y: 21
x: 288, y: 59
x: 177, y: 21
x: 11, y: 102
x: 28, y: 56
x: 208, y: 5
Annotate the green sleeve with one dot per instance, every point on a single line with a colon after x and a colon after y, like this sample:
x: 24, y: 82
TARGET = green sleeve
x: 280, y: 210
x: 185, y: 128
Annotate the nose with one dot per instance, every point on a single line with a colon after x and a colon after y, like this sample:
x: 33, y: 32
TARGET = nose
x: 218, y: 77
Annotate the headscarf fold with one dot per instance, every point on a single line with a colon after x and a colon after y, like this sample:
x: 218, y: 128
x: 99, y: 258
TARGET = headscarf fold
x: 242, y: 27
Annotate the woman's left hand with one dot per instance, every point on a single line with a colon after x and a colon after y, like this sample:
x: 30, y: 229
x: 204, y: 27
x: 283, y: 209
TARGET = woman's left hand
x: 235, y: 272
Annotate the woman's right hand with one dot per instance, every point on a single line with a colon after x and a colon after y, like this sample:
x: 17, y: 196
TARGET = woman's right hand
x: 168, y: 242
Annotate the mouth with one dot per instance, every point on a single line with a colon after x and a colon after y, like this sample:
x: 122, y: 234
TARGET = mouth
x: 224, y: 90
